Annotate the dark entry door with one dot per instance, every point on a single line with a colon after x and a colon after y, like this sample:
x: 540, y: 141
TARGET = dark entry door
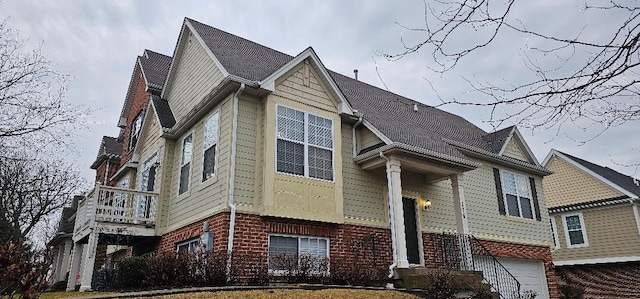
x: 411, y: 230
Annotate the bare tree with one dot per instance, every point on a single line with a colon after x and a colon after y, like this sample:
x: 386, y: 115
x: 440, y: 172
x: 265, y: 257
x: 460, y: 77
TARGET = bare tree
x: 31, y: 93
x: 573, y: 78
x: 32, y: 189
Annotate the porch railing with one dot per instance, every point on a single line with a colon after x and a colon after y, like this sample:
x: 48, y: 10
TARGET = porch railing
x: 465, y: 252
x: 117, y: 205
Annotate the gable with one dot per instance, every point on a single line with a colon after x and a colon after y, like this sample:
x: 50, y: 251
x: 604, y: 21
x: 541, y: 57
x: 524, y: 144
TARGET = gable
x: 366, y: 139
x: 569, y: 185
x: 301, y: 84
x: 515, y: 149
x: 193, y: 75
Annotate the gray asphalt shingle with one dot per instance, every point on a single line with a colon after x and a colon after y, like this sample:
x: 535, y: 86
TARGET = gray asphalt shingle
x: 155, y: 67
x: 624, y: 181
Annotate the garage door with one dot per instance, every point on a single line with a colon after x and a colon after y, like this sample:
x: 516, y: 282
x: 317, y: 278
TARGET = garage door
x: 530, y: 274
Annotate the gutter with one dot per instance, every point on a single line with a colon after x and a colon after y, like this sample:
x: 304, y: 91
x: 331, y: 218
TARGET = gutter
x: 232, y: 177
x: 393, y: 266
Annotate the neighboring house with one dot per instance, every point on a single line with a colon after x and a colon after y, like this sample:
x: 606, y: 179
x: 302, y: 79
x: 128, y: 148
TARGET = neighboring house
x: 249, y: 150
x: 62, y: 243
x: 596, y: 226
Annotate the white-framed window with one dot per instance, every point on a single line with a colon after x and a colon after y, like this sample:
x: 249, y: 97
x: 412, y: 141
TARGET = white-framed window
x: 210, y: 146
x: 304, y: 144
x: 134, y: 131
x: 287, y: 252
x: 185, y: 163
x: 144, y: 204
x: 554, y: 233
x: 575, y: 231
x: 517, y: 195
x: 190, y: 245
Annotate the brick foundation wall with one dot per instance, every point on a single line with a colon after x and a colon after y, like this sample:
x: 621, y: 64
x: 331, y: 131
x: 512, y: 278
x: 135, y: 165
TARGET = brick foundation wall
x: 520, y: 251
x: 101, y: 256
x: 218, y: 225
x: 616, y: 280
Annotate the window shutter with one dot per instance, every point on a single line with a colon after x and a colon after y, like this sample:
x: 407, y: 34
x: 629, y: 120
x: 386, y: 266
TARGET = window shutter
x: 496, y: 177
x: 534, y: 194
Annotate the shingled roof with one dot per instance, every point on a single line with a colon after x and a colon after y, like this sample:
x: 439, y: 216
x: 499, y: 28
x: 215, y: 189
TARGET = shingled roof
x: 623, y: 181
x: 165, y: 116
x: 393, y: 115
x: 155, y: 67
x: 110, y: 148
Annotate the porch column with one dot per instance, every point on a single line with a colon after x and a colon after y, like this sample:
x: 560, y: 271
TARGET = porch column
x: 76, y: 258
x: 55, y: 264
x: 398, y: 217
x: 462, y: 226
x: 66, y: 256
x: 86, y: 274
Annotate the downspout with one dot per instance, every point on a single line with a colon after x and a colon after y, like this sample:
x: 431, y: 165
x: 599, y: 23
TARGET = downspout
x: 353, y: 133
x: 232, y: 178
x: 393, y: 266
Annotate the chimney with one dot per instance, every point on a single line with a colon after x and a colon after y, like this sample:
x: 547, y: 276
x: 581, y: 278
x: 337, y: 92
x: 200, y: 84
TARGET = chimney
x: 355, y: 73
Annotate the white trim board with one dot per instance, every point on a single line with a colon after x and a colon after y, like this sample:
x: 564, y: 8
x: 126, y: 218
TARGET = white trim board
x: 605, y: 260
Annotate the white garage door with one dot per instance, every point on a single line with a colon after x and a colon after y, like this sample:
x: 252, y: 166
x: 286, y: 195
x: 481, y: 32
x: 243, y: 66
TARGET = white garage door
x: 530, y: 274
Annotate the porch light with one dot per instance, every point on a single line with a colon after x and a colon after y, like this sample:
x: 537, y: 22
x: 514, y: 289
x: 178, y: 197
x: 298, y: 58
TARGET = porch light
x: 426, y: 205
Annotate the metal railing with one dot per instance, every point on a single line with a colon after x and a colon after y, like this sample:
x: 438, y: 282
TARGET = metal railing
x: 116, y: 205
x: 465, y: 252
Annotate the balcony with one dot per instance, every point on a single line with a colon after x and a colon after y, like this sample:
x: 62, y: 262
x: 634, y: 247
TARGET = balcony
x: 112, y: 210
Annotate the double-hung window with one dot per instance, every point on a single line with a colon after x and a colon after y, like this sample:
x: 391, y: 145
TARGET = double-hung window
x: 188, y: 246
x: 517, y: 195
x: 185, y: 163
x: 210, y: 145
x: 288, y: 252
x: 304, y: 144
x: 574, y: 230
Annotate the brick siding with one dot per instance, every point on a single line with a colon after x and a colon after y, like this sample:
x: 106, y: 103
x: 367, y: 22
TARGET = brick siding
x: 139, y: 102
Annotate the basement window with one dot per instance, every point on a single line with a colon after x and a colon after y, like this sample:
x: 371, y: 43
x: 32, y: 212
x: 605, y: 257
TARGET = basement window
x: 290, y: 253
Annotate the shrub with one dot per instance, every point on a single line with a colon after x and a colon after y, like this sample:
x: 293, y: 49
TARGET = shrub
x: 23, y: 271
x: 442, y: 285
x: 574, y: 291
x: 130, y: 273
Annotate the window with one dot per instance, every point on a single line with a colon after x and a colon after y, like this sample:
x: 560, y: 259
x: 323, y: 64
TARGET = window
x: 304, y: 144
x: 210, y: 142
x: 574, y: 231
x: 289, y: 252
x: 134, y: 131
x: 185, y: 163
x: 517, y: 195
x: 189, y: 245
x: 146, y: 183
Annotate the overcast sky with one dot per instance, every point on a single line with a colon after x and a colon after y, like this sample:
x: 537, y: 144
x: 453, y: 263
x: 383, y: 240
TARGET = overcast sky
x: 97, y: 42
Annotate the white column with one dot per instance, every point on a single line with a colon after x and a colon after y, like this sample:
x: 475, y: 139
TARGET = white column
x: 66, y: 258
x: 396, y: 193
x: 462, y: 226
x: 55, y: 264
x: 76, y: 258
x: 87, y: 269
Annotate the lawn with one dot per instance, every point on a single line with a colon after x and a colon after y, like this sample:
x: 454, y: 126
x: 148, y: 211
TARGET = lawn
x: 263, y: 294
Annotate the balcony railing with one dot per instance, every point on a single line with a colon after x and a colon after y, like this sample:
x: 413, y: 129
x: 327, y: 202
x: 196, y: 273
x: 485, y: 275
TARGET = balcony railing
x: 106, y: 204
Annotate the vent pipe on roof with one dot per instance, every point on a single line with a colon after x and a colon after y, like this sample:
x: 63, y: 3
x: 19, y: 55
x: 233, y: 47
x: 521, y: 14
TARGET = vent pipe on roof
x: 635, y: 181
x: 355, y: 73
x: 415, y: 107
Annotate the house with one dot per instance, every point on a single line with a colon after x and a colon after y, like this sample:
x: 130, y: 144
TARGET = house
x: 248, y: 150
x: 596, y: 226
x: 62, y: 243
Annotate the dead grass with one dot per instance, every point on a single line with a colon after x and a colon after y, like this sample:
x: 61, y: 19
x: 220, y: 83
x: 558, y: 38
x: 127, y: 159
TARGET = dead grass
x: 58, y: 295
x: 294, y: 294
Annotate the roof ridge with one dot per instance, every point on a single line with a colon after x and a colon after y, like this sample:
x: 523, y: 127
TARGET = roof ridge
x: 156, y: 52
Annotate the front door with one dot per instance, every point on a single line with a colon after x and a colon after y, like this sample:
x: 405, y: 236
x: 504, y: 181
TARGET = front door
x: 411, y: 230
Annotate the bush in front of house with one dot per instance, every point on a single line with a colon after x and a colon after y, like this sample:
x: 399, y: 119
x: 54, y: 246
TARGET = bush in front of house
x: 571, y: 291
x: 130, y: 273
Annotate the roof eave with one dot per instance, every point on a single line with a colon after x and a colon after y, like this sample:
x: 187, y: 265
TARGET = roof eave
x: 498, y: 159
x: 401, y: 147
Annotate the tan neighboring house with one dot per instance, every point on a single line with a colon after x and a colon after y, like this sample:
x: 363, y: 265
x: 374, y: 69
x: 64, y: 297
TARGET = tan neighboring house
x: 596, y: 226
x: 252, y: 151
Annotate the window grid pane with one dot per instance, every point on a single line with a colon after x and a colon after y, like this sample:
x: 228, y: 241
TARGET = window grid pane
x: 209, y: 163
x: 290, y: 124
x: 290, y: 157
x: 211, y: 131
x: 187, y: 149
x: 320, y: 163
x: 525, y: 207
x: 512, y: 205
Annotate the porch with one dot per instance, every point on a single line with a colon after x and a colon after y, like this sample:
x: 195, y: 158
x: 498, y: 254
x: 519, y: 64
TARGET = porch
x: 108, y: 215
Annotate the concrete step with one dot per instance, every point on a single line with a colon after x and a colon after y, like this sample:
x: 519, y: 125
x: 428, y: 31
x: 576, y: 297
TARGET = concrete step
x: 425, y: 278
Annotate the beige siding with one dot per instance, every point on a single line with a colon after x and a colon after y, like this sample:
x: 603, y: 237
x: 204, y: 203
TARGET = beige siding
x: 611, y: 231
x: 292, y: 86
x: 295, y: 196
x: 195, y: 75
x: 569, y: 185
x: 166, y: 173
x: 203, y: 198
x: 483, y: 215
x: 363, y: 191
x: 515, y: 149
x: 441, y: 215
x: 149, y: 144
x: 245, y: 177
x: 365, y: 138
